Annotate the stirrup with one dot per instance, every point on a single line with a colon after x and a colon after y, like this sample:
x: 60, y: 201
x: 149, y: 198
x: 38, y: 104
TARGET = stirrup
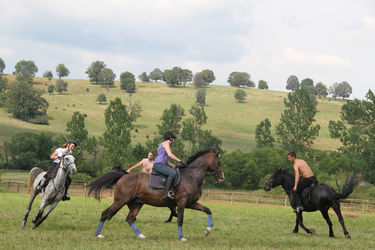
x: 171, y: 195
x: 299, y: 209
x: 65, y: 197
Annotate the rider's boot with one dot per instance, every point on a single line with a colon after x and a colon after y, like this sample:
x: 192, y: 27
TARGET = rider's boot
x: 168, y: 193
x: 66, y: 196
x: 299, y: 206
x: 41, y: 185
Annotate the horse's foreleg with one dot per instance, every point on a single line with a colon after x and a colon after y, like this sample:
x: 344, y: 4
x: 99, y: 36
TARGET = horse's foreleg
x: 49, y: 210
x: 31, y: 201
x: 300, y: 221
x: 107, y: 215
x: 180, y: 221
x: 41, y: 210
x: 133, y: 212
x: 336, y: 208
x: 200, y: 207
x: 328, y: 220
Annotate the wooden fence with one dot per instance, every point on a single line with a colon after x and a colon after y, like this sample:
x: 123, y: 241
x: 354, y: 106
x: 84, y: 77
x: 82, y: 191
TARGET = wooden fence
x: 235, y: 198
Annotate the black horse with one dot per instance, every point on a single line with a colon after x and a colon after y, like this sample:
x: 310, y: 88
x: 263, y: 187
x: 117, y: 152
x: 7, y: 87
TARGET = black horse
x: 133, y: 190
x: 320, y: 197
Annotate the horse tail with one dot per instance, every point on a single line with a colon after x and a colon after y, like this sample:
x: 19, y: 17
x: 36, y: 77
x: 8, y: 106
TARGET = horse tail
x: 107, y: 180
x: 34, y: 172
x: 349, y: 186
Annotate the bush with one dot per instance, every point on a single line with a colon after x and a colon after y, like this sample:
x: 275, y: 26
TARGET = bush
x: 81, y: 177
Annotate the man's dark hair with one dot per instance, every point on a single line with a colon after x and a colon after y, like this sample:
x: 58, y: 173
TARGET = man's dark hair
x: 293, y: 154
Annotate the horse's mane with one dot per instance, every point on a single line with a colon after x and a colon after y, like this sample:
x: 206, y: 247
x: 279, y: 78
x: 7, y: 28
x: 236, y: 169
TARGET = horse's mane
x: 286, y: 172
x: 196, y: 155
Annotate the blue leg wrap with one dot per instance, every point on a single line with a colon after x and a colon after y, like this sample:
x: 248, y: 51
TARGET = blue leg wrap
x: 99, y: 228
x: 135, y: 229
x: 179, y: 233
x: 210, y: 223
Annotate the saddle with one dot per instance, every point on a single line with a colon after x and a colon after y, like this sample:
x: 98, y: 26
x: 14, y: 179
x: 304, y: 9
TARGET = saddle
x: 306, y: 191
x: 158, y: 181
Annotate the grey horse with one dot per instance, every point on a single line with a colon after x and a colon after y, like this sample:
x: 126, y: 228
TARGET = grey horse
x: 54, y: 191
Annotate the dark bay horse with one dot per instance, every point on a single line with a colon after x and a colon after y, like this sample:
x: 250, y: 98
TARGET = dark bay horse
x: 321, y: 197
x: 133, y: 190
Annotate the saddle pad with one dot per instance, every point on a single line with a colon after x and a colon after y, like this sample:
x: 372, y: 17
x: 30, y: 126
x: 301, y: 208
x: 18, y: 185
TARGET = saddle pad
x: 158, y: 181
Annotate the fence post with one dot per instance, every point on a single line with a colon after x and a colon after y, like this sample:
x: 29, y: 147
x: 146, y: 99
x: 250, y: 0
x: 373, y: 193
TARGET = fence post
x: 285, y: 202
x: 231, y: 198
x: 18, y: 187
x: 8, y: 186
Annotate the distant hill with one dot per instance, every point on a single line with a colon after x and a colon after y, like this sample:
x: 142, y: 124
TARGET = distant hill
x: 234, y: 123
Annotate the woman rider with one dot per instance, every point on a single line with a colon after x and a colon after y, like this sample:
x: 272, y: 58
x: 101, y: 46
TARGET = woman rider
x: 67, y: 148
x: 162, y: 164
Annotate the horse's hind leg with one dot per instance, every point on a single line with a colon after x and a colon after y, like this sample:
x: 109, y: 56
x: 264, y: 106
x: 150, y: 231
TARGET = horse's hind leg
x: 328, y: 220
x: 336, y: 208
x: 133, y: 212
x: 31, y: 201
x: 49, y: 210
x: 107, y: 215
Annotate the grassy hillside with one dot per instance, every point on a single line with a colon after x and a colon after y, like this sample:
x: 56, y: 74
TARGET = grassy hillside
x: 234, y: 123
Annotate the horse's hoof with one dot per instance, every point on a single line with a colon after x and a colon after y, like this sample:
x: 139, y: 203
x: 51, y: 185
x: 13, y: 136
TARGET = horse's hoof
x: 100, y: 236
x: 141, y: 236
x: 183, y: 239
x: 348, y: 236
x: 295, y: 231
x: 207, y: 231
x: 167, y: 221
x: 23, y: 224
x: 33, y: 220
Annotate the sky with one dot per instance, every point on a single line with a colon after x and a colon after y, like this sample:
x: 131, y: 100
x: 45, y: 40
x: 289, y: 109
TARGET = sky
x: 327, y: 41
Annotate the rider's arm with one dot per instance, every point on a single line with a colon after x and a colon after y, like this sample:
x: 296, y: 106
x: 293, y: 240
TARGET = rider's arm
x: 135, y: 166
x: 169, y: 152
x: 53, y: 155
x: 171, y: 165
x: 296, y: 178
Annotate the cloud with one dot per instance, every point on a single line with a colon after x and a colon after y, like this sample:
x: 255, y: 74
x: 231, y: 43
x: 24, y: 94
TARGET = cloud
x: 369, y: 21
x: 318, y: 58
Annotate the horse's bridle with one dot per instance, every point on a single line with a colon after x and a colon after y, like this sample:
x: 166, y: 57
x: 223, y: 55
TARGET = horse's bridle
x: 65, y: 167
x: 217, y: 172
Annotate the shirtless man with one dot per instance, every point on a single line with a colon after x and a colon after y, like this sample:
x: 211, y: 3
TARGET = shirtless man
x: 146, y: 163
x: 301, y: 169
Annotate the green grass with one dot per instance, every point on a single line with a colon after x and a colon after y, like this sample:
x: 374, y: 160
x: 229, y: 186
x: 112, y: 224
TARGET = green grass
x: 72, y: 224
x: 234, y: 123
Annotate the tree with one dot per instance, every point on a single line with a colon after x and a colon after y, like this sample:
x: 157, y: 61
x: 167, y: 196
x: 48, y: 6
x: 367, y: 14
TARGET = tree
x: 263, y: 135
x: 25, y: 102
x: 25, y: 71
x: 262, y: 84
x: 134, y: 109
x: 61, y: 86
x: 186, y: 76
x: 292, y: 83
x: 307, y: 82
x: 198, y: 80
x: 192, y: 127
x: 171, y: 77
x: 296, y: 131
x: 333, y: 90
x: 101, y: 98
x: 240, y: 79
x: 107, y: 77
x: 321, y: 89
x: 201, y: 97
x: 116, y: 139
x: 170, y: 121
x: 62, y: 71
x: 240, y: 95
x: 2, y: 66
x: 50, y: 88
x: 94, y: 70
x: 48, y: 74
x: 3, y: 88
x: 86, y: 145
x: 28, y: 150
x: 344, y: 90
x: 126, y: 79
x: 356, y: 131
x: 208, y: 76
x: 156, y: 75
x: 144, y: 77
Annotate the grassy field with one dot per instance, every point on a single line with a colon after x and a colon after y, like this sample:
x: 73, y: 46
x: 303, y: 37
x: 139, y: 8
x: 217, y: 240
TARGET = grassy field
x: 234, y: 123
x: 72, y: 224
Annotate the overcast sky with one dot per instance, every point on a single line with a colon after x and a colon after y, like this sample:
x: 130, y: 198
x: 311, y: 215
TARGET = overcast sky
x: 328, y: 41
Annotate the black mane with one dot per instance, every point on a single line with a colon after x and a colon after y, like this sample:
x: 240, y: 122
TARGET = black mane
x: 196, y: 155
